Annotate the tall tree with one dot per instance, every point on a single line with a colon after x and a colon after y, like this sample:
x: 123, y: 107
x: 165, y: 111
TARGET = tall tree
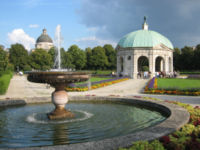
x: 176, y: 59
x: 40, y: 60
x: 3, y: 59
x: 196, y: 59
x: 186, y: 58
x: 88, y: 52
x: 98, y: 58
x: 78, y: 57
x: 18, y: 56
x: 111, y: 54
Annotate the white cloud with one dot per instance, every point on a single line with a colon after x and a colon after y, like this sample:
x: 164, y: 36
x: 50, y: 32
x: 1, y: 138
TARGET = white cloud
x: 94, y: 41
x: 33, y: 26
x: 19, y: 36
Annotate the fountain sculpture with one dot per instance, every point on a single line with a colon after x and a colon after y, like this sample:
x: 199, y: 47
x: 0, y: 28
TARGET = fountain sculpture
x: 59, y: 79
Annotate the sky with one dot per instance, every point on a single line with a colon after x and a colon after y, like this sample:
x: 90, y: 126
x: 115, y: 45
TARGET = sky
x: 89, y: 23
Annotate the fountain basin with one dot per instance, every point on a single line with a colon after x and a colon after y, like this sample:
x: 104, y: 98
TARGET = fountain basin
x: 177, y: 118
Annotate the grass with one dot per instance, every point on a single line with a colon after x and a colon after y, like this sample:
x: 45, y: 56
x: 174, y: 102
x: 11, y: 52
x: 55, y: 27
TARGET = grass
x: 4, y: 82
x: 178, y: 83
x: 102, y: 72
x: 94, y: 79
x: 190, y: 72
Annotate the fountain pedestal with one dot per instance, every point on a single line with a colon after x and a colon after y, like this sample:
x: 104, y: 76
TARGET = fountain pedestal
x: 60, y: 98
x: 59, y: 80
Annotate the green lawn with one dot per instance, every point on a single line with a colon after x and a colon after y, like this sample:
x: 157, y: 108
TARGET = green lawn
x: 95, y: 79
x: 4, y: 82
x: 178, y: 83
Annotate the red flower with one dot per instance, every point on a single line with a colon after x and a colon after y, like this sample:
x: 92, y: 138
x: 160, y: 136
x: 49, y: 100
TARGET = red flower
x: 165, y: 140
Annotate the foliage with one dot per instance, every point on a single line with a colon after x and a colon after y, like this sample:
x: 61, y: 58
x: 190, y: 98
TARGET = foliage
x: 145, y: 68
x: 187, y: 58
x: 3, y: 59
x: 111, y: 55
x: 4, y: 81
x: 98, y: 59
x: 144, y: 145
x: 18, y: 56
x: 40, y: 60
x: 78, y: 57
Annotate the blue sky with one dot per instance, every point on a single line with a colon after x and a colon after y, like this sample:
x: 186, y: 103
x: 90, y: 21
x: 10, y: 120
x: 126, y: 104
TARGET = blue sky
x: 89, y: 23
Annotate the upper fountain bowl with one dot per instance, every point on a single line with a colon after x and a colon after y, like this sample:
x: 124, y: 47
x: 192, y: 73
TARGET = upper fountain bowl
x: 57, y: 77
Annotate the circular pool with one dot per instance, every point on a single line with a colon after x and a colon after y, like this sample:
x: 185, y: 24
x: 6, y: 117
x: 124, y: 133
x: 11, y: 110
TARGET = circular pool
x: 28, y: 125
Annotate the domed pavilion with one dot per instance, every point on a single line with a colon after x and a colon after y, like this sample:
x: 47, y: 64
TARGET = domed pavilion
x: 144, y: 50
x: 44, y: 41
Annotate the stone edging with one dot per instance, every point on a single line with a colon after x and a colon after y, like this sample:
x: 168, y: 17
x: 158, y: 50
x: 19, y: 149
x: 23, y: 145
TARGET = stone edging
x: 178, y: 116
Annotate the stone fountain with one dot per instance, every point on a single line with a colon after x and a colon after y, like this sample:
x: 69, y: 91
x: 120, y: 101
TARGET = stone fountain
x: 59, y: 79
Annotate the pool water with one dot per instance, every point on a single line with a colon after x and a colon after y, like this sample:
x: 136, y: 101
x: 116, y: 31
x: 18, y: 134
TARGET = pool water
x: 27, y: 126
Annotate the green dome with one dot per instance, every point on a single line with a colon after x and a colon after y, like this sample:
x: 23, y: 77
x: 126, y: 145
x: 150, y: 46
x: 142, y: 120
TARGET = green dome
x: 144, y: 38
x: 44, y: 37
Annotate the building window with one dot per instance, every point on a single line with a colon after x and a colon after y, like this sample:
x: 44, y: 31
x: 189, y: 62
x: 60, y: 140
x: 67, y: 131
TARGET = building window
x: 129, y: 57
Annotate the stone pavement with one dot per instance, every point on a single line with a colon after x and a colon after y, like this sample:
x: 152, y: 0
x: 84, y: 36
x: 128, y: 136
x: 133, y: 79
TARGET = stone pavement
x: 20, y: 88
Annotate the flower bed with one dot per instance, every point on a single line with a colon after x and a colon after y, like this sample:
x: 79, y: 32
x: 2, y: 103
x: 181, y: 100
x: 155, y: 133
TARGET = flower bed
x: 95, y: 85
x: 187, y: 138
x: 152, y: 88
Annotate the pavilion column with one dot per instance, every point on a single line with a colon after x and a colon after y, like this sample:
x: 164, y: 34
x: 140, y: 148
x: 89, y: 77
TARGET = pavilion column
x: 118, y: 65
x: 132, y: 67
x: 152, y: 65
x: 172, y: 66
x: 135, y: 66
x: 124, y: 65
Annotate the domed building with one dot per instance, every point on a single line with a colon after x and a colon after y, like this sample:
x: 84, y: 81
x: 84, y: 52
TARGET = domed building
x: 144, y: 50
x: 44, y: 41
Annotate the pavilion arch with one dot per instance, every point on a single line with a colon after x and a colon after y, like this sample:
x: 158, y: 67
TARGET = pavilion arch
x: 143, y: 62
x: 159, y: 64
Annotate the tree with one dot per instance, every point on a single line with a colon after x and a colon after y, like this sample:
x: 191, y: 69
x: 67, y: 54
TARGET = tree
x: 88, y: 52
x: 3, y: 59
x: 40, y: 60
x: 111, y: 54
x: 78, y: 57
x: 186, y: 58
x: 18, y: 56
x: 176, y: 58
x: 197, y: 57
x: 98, y: 58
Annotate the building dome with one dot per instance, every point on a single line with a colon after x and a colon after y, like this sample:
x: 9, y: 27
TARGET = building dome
x: 44, y: 37
x: 44, y: 41
x: 144, y: 38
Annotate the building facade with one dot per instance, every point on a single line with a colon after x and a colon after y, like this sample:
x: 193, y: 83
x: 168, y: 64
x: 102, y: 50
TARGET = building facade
x: 144, y: 48
x: 44, y: 41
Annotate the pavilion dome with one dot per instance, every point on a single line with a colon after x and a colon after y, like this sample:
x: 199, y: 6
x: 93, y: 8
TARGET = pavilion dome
x: 44, y: 37
x: 144, y: 38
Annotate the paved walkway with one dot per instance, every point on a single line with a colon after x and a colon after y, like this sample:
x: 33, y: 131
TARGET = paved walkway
x: 21, y: 88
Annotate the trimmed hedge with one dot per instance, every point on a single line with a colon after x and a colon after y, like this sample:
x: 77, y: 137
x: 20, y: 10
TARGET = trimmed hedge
x: 4, y: 81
